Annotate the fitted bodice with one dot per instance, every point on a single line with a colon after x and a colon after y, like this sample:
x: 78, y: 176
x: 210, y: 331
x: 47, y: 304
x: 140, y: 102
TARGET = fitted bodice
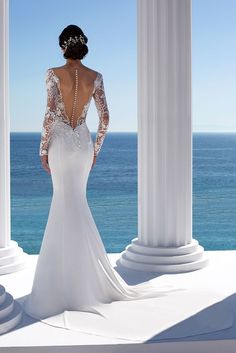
x: 56, y: 111
x: 70, y: 99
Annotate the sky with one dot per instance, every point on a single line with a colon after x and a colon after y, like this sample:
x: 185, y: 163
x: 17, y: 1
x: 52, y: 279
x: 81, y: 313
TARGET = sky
x: 111, y: 28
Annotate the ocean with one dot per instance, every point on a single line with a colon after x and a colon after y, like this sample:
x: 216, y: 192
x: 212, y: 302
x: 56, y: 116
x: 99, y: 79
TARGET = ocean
x: 112, y: 190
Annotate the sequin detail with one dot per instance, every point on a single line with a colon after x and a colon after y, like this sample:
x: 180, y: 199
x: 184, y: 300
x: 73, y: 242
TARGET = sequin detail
x: 55, y: 112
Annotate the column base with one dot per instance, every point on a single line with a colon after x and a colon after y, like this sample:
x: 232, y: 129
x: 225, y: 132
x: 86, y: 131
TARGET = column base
x: 185, y: 258
x: 10, y: 311
x: 12, y: 258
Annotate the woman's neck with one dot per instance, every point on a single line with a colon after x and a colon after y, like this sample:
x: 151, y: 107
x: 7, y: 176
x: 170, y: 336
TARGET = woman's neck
x: 73, y: 63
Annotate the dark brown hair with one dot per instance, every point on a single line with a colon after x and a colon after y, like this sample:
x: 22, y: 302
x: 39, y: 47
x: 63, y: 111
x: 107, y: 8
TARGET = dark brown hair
x: 77, y: 50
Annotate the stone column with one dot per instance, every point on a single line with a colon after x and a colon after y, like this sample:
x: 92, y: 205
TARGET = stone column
x: 12, y: 257
x: 164, y: 243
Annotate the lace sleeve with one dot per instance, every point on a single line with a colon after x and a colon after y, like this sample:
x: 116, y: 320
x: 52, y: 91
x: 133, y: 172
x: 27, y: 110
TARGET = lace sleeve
x: 50, y: 113
x: 103, y: 113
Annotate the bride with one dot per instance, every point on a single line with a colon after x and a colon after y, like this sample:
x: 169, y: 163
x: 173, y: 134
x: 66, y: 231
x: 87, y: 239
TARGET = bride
x: 74, y: 282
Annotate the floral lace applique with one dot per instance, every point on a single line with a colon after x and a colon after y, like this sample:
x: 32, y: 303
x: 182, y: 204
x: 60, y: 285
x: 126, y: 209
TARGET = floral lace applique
x: 55, y: 112
x: 50, y: 114
x: 103, y: 113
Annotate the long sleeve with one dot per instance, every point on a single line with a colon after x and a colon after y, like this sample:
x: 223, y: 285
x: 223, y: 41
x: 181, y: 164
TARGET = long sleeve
x: 103, y: 113
x: 50, y: 113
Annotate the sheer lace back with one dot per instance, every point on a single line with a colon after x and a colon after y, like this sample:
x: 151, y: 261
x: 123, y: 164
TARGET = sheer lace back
x: 56, y: 109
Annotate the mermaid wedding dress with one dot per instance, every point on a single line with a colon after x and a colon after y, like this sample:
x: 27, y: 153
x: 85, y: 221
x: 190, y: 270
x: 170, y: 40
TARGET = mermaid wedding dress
x: 75, y: 286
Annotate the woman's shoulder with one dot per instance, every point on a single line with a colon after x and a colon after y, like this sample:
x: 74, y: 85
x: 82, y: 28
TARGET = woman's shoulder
x: 88, y: 70
x: 50, y: 75
x: 93, y: 74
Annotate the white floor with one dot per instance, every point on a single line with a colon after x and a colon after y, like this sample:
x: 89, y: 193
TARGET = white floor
x: 203, y: 319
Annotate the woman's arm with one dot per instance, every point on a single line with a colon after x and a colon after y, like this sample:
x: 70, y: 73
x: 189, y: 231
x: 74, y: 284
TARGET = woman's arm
x: 50, y: 113
x: 103, y: 113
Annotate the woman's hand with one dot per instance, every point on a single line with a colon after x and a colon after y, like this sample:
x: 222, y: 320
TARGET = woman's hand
x: 44, y: 161
x: 94, y: 161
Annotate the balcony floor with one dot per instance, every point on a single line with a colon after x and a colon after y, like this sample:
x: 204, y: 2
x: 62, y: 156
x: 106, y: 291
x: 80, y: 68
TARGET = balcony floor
x: 210, y: 327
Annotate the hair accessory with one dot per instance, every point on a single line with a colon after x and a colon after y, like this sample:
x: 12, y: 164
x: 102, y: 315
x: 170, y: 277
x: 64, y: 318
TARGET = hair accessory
x: 72, y: 41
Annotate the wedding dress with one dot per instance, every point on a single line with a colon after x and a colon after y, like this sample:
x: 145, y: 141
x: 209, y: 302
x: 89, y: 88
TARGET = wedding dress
x: 75, y: 286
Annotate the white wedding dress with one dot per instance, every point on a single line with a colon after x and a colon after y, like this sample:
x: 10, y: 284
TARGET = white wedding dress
x: 75, y: 286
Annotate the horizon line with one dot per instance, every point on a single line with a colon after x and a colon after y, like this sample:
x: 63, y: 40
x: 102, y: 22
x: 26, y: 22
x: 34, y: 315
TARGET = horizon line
x: 213, y: 132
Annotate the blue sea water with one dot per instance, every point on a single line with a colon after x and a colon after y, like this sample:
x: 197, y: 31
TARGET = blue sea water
x: 112, y: 191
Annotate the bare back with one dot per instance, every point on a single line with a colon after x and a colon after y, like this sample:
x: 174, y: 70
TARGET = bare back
x: 64, y: 101
x: 86, y: 78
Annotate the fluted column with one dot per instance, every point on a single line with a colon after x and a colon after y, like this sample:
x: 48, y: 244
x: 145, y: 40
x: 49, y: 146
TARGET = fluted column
x: 12, y: 257
x: 4, y: 135
x: 164, y: 242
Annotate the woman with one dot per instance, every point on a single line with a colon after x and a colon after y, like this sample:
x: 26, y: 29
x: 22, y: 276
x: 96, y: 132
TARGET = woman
x: 73, y: 276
